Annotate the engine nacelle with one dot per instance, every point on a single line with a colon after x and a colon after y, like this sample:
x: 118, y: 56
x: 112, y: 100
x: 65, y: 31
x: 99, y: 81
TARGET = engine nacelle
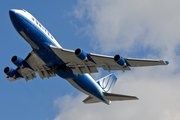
x: 120, y: 60
x: 11, y: 72
x: 17, y: 61
x: 81, y: 54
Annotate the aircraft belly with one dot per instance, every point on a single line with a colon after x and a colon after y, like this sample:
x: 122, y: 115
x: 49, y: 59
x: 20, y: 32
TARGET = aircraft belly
x: 73, y: 83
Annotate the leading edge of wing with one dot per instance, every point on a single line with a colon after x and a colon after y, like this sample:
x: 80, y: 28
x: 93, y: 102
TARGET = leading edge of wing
x: 106, y: 62
x: 82, y: 66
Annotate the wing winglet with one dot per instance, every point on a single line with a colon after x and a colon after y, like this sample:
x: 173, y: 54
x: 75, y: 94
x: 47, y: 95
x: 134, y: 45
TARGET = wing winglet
x: 167, y: 62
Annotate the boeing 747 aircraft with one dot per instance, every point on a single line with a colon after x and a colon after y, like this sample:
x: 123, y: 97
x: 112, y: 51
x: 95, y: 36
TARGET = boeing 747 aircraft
x: 49, y: 59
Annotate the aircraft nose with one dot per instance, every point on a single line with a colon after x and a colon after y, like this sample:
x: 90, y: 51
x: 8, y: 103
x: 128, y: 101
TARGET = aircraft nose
x: 15, y: 18
x: 12, y: 13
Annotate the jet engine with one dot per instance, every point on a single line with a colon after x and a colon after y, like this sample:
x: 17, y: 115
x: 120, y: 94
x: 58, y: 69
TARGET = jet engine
x: 120, y: 60
x: 81, y: 54
x: 19, y: 62
x: 11, y: 72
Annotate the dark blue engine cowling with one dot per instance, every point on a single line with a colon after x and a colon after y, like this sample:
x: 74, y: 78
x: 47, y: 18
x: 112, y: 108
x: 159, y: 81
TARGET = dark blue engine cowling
x: 120, y: 60
x: 19, y: 61
x: 11, y: 72
x: 81, y: 54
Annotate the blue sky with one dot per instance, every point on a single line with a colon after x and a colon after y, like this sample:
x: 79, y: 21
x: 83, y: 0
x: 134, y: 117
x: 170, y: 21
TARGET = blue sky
x: 34, y: 100
x: 147, y: 29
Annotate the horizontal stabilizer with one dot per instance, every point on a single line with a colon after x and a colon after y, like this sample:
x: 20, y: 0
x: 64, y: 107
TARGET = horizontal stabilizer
x: 90, y: 100
x: 117, y: 97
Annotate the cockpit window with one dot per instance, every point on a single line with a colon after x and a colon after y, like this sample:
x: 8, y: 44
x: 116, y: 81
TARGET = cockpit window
x: 23, y: 10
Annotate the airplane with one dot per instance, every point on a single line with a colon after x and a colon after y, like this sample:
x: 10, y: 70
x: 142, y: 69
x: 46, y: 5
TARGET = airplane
x: 49, y: 59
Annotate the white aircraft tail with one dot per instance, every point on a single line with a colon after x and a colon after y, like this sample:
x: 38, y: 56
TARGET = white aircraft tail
x: 107, y: 82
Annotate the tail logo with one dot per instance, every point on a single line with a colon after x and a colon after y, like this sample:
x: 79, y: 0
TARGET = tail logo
x: 107, y: 82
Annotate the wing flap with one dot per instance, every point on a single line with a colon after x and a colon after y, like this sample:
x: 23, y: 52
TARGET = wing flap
x: 118, y: 97
x: 114, y: 67
x: 81, y: 69
x: 11, y: 79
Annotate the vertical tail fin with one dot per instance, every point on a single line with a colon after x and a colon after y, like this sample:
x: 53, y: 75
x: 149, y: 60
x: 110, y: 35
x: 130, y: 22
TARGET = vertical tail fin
x: 107, y: 82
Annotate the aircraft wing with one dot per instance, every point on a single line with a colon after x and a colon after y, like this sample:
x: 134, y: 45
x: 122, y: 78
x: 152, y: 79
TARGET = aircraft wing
x: 79, y: 66
x: 143, y: 63
x: 28, y: 71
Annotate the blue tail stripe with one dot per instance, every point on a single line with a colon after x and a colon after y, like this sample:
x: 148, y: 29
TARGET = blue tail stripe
x: 107, y: 82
